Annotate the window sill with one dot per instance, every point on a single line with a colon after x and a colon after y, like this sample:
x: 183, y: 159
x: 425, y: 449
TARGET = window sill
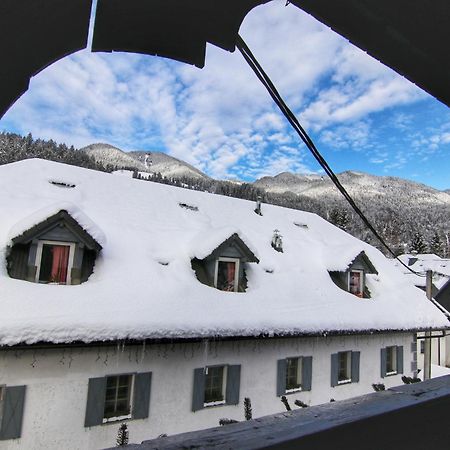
x: 210, y: 404
x: 344, y: 382
x: 293, y: 391
x: 388, y: 374
x: 116, y: 419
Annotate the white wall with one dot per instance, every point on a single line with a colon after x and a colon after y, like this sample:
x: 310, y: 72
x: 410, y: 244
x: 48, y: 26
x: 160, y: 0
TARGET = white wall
x: 57, y: 382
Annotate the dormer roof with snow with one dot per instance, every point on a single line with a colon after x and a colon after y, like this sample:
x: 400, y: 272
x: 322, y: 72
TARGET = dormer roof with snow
x: 144, y: 287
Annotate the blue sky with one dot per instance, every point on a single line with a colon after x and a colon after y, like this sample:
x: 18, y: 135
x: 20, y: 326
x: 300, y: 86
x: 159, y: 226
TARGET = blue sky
x: 362, y: 115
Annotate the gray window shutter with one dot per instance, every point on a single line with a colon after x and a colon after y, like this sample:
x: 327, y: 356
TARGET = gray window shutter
x: 334, y: 369
x: 400, y: 359
x: 198, y: 398
x: 355, y: 367
x: 383, y: 362
x: 141, y: 395
x: 95, y: 406
x: 14, y: 399
x: 233, y: 384
x: 281, y: 377
x: 306, y: 373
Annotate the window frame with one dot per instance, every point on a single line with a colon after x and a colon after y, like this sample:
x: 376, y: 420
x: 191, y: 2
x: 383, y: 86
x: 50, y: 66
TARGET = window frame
x: 361, y: 282
x: 393, y: 360
x: 236, y: 273
x: 38, y: 260
x: 224, y: 386
x: 348, y: 369
x: 299, y: 374
x: 131, y: 377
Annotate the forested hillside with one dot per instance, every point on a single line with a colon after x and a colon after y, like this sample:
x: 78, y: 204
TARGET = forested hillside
x: 410, y: 216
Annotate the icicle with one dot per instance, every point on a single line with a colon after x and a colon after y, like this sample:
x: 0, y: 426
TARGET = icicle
x: 205, y: 355
x: 143, y: 351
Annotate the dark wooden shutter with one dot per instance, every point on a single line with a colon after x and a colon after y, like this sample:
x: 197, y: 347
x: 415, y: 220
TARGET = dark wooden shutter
x: 13, y: 403
x: 281, y: 377
x: 95, y: 406
x: 400, y: 359
x: 334, y: 369
x: 198, y: 397
x: 383, y: 362
x: 141, y: 395
x: 233, y: 384
x: 355, y: 367
x: 306, y: 373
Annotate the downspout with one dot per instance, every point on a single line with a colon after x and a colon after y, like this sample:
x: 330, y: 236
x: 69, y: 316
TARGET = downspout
x: 427, y: 352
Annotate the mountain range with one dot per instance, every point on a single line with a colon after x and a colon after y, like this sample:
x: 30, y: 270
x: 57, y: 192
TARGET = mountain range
x: 397, y: 208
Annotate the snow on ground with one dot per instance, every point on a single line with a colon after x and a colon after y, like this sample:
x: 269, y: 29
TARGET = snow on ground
x: 143, y: 285
x: 439, y: 371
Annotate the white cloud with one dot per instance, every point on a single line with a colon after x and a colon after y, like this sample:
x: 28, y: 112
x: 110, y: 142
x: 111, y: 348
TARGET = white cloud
x: 220, y: 118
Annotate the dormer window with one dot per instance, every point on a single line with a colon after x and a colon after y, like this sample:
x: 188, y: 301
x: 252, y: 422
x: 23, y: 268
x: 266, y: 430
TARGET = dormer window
x: 356, y: 282
x: 353, y: 280
x: 226, y: 276
x: 56, y: 251
x: 224, y: 267
x: 54, y: 262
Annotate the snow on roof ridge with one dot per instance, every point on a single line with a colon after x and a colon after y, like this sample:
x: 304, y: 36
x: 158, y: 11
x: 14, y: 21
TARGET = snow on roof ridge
x: 44, y: 213
x: 202, y: 246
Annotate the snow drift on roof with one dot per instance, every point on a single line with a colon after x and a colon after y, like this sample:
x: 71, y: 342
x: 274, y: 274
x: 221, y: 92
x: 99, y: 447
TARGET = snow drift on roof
x: 143, y: 285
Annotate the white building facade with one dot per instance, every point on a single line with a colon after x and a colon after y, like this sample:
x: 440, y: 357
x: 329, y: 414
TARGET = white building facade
x: 56, y: 381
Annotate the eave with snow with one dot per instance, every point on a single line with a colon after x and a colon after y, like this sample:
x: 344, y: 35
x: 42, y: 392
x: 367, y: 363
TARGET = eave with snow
x: 143, y: 286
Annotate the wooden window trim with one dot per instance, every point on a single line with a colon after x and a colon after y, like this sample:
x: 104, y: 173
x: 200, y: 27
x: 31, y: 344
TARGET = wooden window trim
x: 361, y: 282
x: 224, y: 387
x: 348, y: 368
x: 299, y: 374
x: 38, y: 259
x: 130, y: 401
x: 393, y: 357
x: 236, y: 273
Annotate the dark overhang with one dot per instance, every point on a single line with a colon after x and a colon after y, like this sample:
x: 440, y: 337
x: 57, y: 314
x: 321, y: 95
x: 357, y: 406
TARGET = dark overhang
x: 410, y: 37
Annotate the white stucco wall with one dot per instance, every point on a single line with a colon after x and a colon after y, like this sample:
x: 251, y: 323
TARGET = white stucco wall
x: 57, y: 383
x: 440, y: 350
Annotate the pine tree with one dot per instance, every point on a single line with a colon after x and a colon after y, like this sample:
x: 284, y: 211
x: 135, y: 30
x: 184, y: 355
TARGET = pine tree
x: 418, y: 244
x: 122, y: 435
x: 248, y: 409
x: 436, y: 245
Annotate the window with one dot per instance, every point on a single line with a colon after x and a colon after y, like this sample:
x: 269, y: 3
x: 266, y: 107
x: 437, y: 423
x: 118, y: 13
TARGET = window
x: 356, y: 282
x: 118, y: 397
x: 216, y: 385
x: 344, y: 367
x: 293, y: 374
x: 215, y: 382
x: 54, y: 261
x: 227, y: 274
x: 391, y: 360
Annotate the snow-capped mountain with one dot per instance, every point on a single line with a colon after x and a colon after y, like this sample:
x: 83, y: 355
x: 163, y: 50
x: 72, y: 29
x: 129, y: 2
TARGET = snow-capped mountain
x: 166, y: 165
x: 358, y: 184
x: 151, y: 162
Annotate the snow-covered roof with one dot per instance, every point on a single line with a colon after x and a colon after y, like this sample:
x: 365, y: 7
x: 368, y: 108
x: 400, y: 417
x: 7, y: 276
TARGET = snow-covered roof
x: 143, y: 285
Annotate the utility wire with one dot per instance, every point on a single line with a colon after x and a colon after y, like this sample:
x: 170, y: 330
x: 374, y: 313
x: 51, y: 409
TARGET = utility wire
x: 292, y: 119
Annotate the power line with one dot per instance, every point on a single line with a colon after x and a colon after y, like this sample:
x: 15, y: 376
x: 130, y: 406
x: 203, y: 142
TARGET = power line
x: 292, y: 119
